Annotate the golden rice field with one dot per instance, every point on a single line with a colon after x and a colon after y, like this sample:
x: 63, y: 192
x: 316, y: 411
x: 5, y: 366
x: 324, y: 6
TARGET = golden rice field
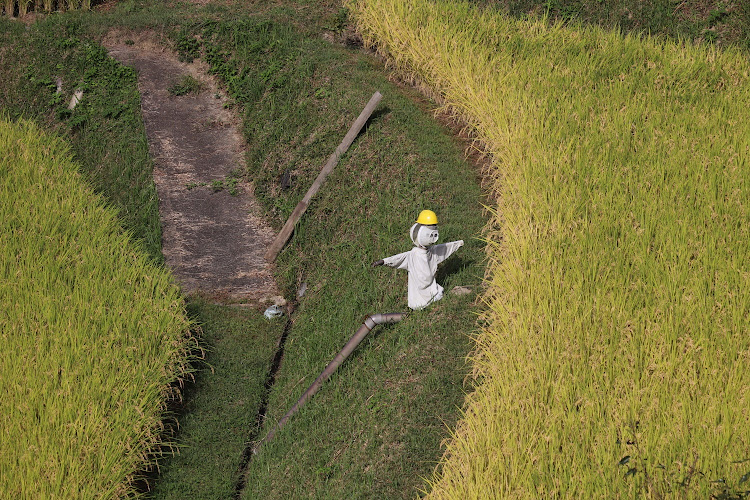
x: 93, y: 334
x: 615, y: 363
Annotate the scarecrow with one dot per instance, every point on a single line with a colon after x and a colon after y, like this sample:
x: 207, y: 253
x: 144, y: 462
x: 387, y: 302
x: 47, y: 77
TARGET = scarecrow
x: 421, y: 261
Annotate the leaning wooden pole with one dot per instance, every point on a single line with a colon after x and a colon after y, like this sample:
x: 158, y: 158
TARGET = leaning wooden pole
x: 286, y: 231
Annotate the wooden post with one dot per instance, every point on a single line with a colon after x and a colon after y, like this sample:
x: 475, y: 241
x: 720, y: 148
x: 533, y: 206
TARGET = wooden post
x: 286, y: 231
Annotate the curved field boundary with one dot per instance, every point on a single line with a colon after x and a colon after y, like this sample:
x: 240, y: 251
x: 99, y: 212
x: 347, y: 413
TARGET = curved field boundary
x: 615, y: 363
x: 93, y: 334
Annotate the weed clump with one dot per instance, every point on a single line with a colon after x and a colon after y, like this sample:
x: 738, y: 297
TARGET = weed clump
x: 187, y: 84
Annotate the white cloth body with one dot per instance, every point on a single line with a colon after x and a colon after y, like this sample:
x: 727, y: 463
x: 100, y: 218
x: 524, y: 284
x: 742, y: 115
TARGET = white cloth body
x: 421, y: 263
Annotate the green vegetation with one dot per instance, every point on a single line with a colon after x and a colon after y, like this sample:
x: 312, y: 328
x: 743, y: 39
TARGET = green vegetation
x: 619, y: 295
x: 187, y: 84
x: 375, y: 428
x: 94, y: 334
x: 723, y: 22
x: 230, y: 183
x: 218, y: 416
x: 105, y: 130
x: 601, y: 311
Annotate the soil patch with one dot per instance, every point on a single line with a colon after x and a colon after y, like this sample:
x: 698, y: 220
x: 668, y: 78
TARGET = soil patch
x: 213, y: 233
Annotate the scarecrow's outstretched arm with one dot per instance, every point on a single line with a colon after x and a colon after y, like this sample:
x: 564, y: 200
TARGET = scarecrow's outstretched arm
x: 444, y: 250
x: 398, y: 261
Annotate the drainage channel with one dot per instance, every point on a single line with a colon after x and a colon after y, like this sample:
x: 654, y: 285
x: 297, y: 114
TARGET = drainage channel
x: 369, y: 323
x: 247, y: 454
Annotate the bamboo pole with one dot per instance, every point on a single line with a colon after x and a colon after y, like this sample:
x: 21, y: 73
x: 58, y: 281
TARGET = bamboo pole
x: 286, y: 231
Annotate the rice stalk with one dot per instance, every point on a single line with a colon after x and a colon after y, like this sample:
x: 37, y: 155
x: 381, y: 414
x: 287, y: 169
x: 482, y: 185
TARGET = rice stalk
x: 621, y: 170
x: 9, y: 6
x: 23, y: 7
x: 97, y: 332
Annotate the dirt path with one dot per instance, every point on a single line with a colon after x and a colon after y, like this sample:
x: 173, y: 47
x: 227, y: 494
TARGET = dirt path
x: 213, y: 241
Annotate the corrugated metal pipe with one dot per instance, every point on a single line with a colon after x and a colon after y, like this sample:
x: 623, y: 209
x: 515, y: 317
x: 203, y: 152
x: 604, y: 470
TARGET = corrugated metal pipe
x: 369, y: 323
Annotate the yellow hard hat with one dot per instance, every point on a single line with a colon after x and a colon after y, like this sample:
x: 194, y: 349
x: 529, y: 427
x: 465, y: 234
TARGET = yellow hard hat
x: 427, y: 218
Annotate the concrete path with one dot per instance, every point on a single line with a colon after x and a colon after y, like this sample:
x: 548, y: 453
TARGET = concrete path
x: 214, y: 242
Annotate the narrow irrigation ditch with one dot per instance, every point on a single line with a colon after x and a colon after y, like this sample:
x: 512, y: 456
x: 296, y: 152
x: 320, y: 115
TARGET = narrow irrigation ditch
x: 271, y: 254
x: 254, y: 444
x: 260, y: 417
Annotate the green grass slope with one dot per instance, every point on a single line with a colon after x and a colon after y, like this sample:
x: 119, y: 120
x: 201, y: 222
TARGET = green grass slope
x: 105, y: 131
x: 218, y: 414
x: 375, y: 428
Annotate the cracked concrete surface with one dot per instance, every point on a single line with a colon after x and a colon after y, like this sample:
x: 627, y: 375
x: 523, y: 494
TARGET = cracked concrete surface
x: 213, y: 241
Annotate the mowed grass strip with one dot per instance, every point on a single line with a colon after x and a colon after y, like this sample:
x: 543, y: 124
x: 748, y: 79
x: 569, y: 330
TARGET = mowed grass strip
x: 375, y: 429
x: 94, y: 334
x: 616, y: 360
x: 219, y: 411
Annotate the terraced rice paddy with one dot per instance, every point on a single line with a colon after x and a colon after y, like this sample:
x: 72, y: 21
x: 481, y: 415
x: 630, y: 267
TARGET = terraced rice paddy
x: 94, y: 334
x: 619, y: 303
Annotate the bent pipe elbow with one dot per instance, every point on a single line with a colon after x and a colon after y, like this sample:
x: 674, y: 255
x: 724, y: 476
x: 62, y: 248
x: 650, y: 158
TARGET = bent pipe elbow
x: 368, y: 324
x: 379, y: 319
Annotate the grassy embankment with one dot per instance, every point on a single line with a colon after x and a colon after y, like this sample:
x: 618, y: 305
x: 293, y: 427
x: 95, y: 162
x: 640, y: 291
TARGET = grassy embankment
x: 616, y: 360
x: 105, y: 130
x: 94, y: 334
x: 376, y: 428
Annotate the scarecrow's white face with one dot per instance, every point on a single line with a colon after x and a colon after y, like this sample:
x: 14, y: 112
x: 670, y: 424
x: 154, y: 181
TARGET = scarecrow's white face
x: 424, y: 236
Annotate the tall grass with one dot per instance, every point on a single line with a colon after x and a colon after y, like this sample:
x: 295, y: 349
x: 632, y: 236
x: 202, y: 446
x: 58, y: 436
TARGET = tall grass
x: 93, y: 333
x: 23, y: 7
x: 615, y: 363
